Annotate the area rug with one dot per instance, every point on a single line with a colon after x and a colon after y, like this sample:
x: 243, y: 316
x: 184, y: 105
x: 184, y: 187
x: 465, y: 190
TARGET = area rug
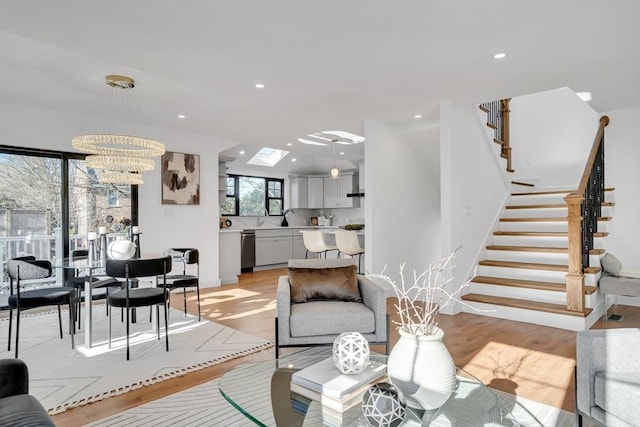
x: 203, y: 405
x: 62, y: 378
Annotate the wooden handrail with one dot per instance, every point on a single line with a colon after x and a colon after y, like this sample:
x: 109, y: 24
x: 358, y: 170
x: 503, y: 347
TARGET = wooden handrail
x: 577, y: 209
x: 604, y: 121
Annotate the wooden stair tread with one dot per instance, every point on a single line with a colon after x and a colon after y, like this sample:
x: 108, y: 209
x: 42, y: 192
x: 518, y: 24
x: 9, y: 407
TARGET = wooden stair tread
x: 543, y: 233
x: 546, y: 219
x: 483, y: 108
x: 549, y: 206
x: 492, y: 126
x: 530, y: 284
x: 524, y: 184
x: 540, y: 193
x: 534, y: 266
x: 525, y: 304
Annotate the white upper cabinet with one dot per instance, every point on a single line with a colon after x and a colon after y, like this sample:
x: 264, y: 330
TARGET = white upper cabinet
x: 316, y: 192
x: 336, y: 190
x: 299, y: 192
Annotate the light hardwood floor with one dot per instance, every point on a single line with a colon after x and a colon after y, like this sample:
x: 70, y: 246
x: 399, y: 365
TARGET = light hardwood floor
x: 532, y: 361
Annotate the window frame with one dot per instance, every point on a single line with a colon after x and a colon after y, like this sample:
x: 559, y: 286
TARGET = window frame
x: 267, y: 199
x: 65, y: 158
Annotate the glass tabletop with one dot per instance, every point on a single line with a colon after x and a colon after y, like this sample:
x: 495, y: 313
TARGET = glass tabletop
x: 261, y: 391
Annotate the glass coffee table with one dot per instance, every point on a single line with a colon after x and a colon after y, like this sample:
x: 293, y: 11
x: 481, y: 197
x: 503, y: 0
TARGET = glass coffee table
x: 261, y: 392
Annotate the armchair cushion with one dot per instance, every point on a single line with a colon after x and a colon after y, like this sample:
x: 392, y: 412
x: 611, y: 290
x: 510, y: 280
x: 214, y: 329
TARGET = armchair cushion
x: 324, y: 284
x: 330, y: 318
x: 615, y: 393
x: 611, y: 264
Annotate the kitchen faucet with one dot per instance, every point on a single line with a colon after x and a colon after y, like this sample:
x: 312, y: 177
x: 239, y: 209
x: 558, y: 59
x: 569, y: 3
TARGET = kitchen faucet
x: 263, y: 211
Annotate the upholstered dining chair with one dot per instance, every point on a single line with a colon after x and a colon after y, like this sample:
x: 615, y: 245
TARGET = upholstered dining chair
x: 28, y: 268
x: 78, y: 282
x: 314, y: 242
x: 127, y: 298
x: 187, y: 256
x: 348, y: 244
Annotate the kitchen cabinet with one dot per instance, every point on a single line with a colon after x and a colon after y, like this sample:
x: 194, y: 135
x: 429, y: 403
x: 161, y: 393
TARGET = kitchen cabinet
x: 273, y: 247
x: 229, y: 251
x: 298, y: 192
x: 336, y: 190
x: 315, y: 192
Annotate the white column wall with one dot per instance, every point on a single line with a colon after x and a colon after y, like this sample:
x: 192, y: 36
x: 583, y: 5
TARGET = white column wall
x: 162, y: 225
x: 472, y: 187
x: 402, y: 200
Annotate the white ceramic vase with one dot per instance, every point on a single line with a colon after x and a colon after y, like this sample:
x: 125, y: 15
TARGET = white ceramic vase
x: 423, y: 369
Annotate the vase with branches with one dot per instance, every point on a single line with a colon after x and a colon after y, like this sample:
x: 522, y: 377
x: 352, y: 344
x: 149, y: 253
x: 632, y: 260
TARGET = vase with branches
x: 420, y: 364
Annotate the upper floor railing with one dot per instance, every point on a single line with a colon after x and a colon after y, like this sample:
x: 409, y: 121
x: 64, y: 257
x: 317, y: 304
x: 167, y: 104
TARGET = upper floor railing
x: 498, y: 120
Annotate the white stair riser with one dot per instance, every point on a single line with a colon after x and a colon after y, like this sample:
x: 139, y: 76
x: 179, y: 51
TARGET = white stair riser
x: 542, y: 226
x: 571, y: 323
x: 528, y: 294
x: 544, y: 241
x: 547, y: 212
x: 546, y: 199
x: 528, y: 274
x: 537, y: 257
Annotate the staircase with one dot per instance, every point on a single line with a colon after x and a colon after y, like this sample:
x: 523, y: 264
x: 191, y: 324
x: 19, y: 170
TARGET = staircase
x: 523, y: 275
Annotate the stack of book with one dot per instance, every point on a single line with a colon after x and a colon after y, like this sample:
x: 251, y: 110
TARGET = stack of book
x: 336, y: 392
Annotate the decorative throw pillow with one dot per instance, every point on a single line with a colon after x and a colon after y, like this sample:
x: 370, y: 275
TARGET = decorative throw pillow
x: 324, y: 284
x: 611, y: 264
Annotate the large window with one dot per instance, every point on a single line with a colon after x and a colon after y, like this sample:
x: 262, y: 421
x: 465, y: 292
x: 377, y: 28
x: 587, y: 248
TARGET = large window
x: 253, y: 196
x: 50, y: 200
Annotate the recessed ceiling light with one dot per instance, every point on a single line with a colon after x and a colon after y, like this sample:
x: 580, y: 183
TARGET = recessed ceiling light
x: 241, y: 152
x: 499, y: 55
x: 342, y: 153
x: 182, y: 116
x: 260, y: 85
x: 417, y: 116
x: 289, y: 144
x: 293, y: 160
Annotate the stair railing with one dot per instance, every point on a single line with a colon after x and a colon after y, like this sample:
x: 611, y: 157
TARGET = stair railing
x: 498, y: 120
x: 584, y: 207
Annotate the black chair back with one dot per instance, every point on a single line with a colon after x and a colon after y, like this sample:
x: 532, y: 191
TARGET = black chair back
x: 130, y: 268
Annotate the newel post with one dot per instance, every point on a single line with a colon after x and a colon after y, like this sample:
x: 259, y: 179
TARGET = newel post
x: 575, y: 276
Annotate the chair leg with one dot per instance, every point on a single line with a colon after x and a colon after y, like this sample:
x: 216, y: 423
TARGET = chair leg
x: 277, y: 341
x: 184, y: 299
x: 166, y: 324
x: 17, y: 329
x: 72, y: 323
x: 198, y: 293
x: 60, y: 320
x: 10, y: 322
x: 79, y: 305
x: 127, y: 315
x: 158, y: 320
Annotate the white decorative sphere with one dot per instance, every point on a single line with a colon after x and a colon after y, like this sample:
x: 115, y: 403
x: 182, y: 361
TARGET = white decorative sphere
x: 351, y: 352
x: 121, y: 249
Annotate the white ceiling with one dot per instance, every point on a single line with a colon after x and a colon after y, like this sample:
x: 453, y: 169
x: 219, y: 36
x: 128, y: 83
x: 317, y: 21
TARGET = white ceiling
x: 326, y: 65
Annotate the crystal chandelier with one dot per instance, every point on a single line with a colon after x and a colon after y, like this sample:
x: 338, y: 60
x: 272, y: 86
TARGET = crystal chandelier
x: 120, y: 158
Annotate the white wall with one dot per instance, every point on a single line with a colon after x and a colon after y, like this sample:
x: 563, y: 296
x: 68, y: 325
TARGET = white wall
x: 551, y: 136
x: 622, y: 171
x: 473, y: 190
x: 402, y: 199
x: 162, y: 225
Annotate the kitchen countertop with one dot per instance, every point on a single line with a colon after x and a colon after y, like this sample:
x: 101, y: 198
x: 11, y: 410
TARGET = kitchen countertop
x: 277, y: 227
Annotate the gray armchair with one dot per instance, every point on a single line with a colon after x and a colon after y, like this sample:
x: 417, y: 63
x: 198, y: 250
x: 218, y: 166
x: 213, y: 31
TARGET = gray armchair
x: 608, y: 376
x: 17, y: 407
x: 318, y: 322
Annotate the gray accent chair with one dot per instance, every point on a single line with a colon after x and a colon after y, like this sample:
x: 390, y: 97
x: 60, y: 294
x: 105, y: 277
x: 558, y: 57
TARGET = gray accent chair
x: 617, y: 285
x: 608, y: 376
x: 320, y: 322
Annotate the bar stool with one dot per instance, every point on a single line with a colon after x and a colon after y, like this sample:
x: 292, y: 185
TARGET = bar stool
x: 314, y: 242
x: 348, y: 244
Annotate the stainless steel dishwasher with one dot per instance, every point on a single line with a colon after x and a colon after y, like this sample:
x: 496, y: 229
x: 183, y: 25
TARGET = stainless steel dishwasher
x: 247, y: 250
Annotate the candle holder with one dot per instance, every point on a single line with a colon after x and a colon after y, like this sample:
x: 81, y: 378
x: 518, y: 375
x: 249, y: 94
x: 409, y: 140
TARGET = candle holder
x: 103, y: 249
x: 135, y: 233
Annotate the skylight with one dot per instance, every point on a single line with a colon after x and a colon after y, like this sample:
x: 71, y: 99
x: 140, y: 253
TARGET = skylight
x: 267, y: 157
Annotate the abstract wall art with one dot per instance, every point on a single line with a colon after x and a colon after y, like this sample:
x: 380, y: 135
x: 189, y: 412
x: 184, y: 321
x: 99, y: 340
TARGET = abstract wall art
x: 180, y: 179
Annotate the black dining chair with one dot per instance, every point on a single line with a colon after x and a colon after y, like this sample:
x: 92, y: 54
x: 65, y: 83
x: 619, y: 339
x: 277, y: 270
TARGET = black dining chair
x: 127, y: 298
x: 187, y: 256
x: 29, y: 268
x: 97, y: 282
